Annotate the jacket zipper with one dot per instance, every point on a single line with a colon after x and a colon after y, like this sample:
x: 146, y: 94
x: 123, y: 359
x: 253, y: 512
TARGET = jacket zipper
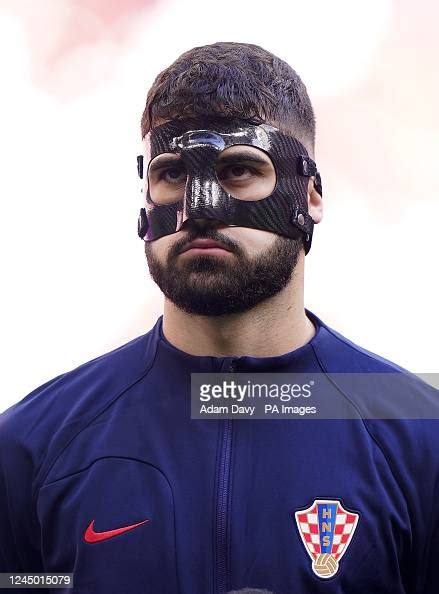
x: 222, y: 535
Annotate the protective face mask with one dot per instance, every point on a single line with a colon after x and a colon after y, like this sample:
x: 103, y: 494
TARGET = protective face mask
x: 231, y: 171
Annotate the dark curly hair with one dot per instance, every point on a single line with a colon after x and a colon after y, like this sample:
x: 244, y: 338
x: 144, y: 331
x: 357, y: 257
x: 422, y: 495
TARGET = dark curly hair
x: 233, y: 80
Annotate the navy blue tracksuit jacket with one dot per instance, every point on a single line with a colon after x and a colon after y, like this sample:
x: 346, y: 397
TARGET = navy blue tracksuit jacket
x: 104, y: 474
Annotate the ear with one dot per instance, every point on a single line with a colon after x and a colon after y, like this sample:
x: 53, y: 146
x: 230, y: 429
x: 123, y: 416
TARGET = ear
x: 315, y: 202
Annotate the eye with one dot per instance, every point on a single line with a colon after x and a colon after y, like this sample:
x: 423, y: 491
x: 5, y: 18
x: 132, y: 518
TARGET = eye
x: 173, y: 175
x: 238, y: 172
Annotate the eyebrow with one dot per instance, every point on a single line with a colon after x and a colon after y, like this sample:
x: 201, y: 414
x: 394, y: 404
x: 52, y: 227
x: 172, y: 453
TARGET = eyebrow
x: 236, y: 157
x: 243, y: 155
x: 161, y: 163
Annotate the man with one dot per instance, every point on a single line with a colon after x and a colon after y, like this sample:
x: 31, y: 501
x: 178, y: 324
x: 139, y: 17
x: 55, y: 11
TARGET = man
x: 103, y: 471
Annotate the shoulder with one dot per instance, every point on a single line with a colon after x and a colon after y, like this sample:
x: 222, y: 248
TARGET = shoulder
x: 65, y: 403
x: 399, y: 409
x: 337, y: 354
x: 373, y: 379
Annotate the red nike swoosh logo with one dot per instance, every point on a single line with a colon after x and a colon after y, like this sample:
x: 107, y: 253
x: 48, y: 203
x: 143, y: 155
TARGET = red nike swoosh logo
x: 91, y: 536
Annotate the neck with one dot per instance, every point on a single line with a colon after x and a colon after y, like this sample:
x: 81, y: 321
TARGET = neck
x: 274, y: 327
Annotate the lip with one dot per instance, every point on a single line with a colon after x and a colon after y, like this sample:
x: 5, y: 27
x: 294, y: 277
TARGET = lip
x: 205, y: 244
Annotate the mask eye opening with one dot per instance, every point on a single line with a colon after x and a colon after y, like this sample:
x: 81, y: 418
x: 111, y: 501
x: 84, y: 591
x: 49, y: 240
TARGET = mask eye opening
x: 163, y: 190
x: 259, y: 179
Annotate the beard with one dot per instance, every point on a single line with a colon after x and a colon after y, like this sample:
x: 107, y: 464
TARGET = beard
x: 210, y: 285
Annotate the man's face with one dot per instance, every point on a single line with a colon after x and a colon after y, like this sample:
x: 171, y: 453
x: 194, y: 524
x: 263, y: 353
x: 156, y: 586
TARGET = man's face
x: 255, y: 264
x: 213, y: 282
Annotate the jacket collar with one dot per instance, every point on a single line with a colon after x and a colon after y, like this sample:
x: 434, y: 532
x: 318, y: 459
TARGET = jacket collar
x: 299, y: 360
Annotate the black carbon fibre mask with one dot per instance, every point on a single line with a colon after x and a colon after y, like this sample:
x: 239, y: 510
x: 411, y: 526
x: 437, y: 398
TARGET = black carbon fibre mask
x: 200, y: 156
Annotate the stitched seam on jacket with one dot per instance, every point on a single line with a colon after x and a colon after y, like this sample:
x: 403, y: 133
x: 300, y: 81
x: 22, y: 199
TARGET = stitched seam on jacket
x: 107, y: 405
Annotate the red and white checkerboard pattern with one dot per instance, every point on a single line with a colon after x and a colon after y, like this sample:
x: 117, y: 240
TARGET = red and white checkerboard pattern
x: 308, y: 525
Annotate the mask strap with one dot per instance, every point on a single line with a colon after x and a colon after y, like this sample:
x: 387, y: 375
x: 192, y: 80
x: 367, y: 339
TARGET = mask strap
x: 142, y: 220
x: 307, y: 167
x: 140, y: 166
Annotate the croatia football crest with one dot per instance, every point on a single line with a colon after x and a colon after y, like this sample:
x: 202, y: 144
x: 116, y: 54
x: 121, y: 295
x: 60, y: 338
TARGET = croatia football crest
x: 326, y: 529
